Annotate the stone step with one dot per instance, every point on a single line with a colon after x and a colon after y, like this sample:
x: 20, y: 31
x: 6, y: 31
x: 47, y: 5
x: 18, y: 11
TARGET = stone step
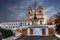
x: 40, y: 38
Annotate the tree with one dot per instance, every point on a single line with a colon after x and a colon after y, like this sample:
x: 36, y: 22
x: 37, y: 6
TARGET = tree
x: 1, y: 30
x: 57, y: 22
x: 6, y: 33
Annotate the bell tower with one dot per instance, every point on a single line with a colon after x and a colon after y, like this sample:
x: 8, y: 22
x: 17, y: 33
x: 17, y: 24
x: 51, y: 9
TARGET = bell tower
x: 40, y: 15
x: 29, y: 11
x: 40, y: 10
x: 29, y: 16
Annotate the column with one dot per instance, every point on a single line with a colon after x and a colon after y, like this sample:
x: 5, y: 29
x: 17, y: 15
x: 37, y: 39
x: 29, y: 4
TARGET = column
x: 47, y: 34
x: 28, y: 32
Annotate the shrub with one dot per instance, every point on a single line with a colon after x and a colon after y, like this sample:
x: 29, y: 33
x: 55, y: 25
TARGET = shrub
x: 6, y: 33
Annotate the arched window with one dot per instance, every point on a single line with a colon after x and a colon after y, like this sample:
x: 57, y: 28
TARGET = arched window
x: 28, y: 23
x: 21, y: 24
x: 40, y: 22
x: 25, y: 23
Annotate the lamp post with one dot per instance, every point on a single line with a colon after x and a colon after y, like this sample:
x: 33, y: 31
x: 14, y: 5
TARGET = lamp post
x: 0, y: 35
x: 57, y: 18
x: 55, y: 21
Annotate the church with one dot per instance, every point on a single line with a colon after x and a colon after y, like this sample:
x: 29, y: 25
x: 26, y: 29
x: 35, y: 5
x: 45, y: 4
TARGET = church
x: 33, y: 25
x: 36, y: 21
x: 36, y: 17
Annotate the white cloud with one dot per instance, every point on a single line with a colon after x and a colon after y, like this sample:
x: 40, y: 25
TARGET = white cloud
x: 49, y: 12
x: 27, y: 3
x: 40, y: 2
x: 48, y: 9
x: 13, y: 9
x: 21, y: 15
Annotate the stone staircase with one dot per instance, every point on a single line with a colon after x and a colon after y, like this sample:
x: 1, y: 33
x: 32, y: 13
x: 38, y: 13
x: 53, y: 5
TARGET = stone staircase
x: 39, y: 38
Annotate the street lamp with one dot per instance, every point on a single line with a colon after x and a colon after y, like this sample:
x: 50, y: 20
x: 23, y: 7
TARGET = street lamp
x: 0, y: 35
x: 55, y: 18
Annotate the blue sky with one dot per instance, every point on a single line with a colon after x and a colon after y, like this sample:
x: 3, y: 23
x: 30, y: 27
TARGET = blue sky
x: 17, y: 9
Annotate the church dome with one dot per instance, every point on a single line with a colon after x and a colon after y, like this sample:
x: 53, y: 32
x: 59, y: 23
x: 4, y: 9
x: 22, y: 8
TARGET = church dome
x: 40, y: 7
x: 29, y: 9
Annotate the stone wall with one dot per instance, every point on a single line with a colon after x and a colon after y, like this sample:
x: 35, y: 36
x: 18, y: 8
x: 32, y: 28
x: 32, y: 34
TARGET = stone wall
x: 38, y: 31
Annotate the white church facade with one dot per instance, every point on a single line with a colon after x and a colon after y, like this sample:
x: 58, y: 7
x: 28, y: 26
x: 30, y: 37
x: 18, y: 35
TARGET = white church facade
x: 33, y: 25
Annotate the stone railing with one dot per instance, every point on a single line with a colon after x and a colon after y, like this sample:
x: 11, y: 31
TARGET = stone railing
x: 14, y: 37
x: 17, y: 36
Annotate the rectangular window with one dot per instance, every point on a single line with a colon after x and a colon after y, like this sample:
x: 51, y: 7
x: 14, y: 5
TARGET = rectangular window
x: 21, y: 24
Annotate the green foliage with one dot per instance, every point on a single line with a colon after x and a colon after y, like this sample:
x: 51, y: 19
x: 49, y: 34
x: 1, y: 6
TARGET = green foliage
x: 56, y: 29
x: 57, y: 22
x: 6, y: 33
x: 1, y: 30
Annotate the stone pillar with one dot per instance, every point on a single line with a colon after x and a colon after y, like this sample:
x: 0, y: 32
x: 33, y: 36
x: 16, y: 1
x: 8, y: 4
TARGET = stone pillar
x: 28, y: 32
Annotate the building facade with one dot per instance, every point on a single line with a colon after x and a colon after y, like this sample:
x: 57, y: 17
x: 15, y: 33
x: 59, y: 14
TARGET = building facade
x: 33, y: 18
x: 33, y: 25
x: 51, y: 20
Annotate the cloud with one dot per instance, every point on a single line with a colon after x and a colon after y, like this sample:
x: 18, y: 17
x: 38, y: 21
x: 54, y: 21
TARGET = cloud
x: 40, y: 2
x: 13, y: 11
x: 16, y: 12
x: 27, y: 3
x: 23, y: 4
x: 21, y: 15
x: 49, y: 11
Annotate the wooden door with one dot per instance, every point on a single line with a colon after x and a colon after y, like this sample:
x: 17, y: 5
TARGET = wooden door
x: 31, y: 31
x: 24, y: 31
x: 43, y: 31
x: 51, y: 31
